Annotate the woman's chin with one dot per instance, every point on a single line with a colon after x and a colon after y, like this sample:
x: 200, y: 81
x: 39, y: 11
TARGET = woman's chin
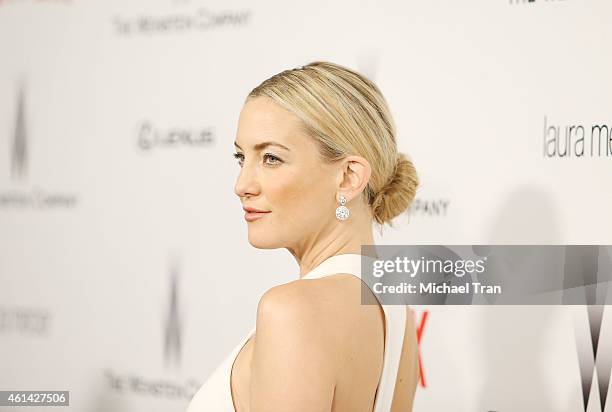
x: 262, y: 242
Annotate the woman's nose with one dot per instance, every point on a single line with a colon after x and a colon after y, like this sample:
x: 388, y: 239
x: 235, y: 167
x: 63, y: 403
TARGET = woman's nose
x: 246, y: 183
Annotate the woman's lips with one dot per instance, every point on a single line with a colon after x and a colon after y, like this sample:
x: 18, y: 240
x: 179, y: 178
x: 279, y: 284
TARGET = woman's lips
x: 252, y: 216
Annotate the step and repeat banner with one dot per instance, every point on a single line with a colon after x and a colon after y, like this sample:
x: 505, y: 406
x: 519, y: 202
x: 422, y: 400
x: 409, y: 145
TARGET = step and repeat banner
x: 126, y: 275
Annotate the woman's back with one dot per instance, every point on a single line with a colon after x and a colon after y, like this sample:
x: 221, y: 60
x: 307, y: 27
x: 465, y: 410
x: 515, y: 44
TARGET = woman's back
x: 361, y: 379
x: 365, y: 369
x: 384, y: 368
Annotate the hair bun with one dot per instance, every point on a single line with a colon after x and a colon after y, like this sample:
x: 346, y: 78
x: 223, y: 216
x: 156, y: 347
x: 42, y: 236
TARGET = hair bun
x: 398, y: 193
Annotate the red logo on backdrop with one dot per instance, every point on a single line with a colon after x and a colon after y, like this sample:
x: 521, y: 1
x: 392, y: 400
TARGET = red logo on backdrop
x: 420, y: 327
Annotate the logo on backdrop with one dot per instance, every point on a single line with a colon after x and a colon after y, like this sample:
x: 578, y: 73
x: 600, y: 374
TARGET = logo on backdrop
x: 598, y: 362
x: 420, y: 328
x: 576, y: 140
x: 583, y: 262
x: 19, y: 150
x: 198, y: 19
x: 427, y: 207
x: 368, y: 63
x: 24, y: 321
x: 171, y: 329
x: 172, y: 336
x: 149, y: 136
x: 534, y: 1
x: 2, y: 2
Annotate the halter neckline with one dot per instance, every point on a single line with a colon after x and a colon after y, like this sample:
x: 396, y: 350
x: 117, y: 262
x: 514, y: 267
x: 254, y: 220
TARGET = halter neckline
x: 343, y: 261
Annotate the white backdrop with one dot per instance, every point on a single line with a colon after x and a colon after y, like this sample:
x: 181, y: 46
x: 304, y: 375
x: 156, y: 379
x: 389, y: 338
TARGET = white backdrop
x: 123, y: 250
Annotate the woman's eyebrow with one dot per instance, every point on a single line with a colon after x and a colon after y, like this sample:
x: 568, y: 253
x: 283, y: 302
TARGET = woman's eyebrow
x: 262, y: 145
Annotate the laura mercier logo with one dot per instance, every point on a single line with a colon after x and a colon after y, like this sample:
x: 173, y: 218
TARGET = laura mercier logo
x: 19, y: 164
x: 577, y: 140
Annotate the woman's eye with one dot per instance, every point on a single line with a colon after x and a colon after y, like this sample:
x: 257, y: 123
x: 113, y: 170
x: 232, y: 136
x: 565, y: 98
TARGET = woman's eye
x: 275, y: 160
x: 239, y: 157
x: 269, y: 159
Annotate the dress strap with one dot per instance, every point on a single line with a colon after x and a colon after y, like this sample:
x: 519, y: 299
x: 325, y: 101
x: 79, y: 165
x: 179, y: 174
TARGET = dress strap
x: 395, y: 319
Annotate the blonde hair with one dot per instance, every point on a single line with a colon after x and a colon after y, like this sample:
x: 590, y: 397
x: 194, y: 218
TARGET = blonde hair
x: 347, y: 114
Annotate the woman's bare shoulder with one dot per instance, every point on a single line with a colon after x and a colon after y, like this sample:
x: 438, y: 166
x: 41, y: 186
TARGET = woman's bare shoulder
x: 312, y: 297
x: 329, y: 307
x: 294, y: 342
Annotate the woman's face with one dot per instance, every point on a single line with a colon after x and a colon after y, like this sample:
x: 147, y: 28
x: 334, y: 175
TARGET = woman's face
x: 282, y: 174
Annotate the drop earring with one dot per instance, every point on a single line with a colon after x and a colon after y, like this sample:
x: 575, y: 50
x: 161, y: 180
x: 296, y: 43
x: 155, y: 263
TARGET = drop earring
x: 342, y: 212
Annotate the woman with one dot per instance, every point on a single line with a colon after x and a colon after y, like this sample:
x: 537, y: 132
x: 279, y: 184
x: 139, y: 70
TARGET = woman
x: 319, y: 165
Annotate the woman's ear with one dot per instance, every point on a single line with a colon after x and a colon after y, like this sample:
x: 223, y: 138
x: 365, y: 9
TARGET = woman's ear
x: 356, y: 173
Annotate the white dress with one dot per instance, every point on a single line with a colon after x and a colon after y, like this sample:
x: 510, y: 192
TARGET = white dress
x: 215, y: 394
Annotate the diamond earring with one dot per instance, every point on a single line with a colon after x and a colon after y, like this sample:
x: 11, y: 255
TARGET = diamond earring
x: 342, y: 212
